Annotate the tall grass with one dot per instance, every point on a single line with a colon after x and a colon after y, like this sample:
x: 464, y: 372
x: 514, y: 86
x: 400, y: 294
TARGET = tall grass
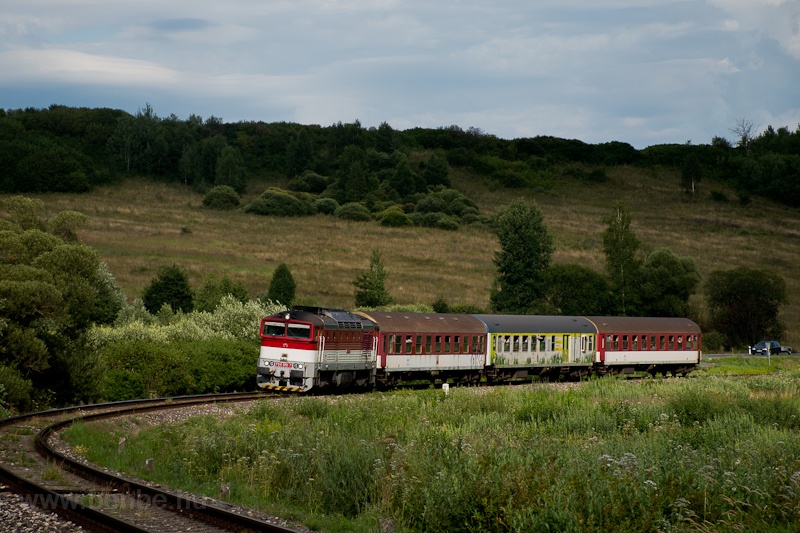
x: 702, y: 454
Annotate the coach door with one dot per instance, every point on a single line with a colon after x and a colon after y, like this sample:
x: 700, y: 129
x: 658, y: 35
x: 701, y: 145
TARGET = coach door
x: 565, y: 349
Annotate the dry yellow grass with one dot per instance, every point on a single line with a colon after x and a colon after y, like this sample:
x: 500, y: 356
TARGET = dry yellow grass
x: 139, y: 226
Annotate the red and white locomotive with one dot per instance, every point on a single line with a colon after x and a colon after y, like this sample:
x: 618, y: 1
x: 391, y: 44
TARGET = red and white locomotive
x: 308, y: 348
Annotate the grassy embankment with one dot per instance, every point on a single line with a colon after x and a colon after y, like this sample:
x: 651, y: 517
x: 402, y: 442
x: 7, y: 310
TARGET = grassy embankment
x: 139, y: 225
x: 712, y: 452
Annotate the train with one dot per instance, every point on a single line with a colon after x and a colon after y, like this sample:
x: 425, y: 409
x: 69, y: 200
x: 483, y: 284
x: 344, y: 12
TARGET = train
x: 316, y: 349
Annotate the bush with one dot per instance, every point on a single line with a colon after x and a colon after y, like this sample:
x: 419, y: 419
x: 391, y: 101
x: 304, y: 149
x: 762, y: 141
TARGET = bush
x: 353, y: 211
x: 280, y: 203
x: 326, y: 206
x: 394, y: 217
x: 221, y: 197
x: 435, y: 220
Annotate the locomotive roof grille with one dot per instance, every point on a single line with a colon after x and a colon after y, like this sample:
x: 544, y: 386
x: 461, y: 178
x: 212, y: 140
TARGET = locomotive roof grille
x: 344, y: 319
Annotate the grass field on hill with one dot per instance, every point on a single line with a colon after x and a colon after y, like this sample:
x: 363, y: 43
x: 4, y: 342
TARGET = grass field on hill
x: 139, y: 225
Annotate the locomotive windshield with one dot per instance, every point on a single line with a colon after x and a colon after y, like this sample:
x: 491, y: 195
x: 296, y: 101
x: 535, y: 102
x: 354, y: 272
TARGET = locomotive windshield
x: 299, y: 331
x: 273, y: 329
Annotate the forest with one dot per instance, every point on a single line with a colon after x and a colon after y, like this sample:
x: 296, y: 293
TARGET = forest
x: 63, y: 149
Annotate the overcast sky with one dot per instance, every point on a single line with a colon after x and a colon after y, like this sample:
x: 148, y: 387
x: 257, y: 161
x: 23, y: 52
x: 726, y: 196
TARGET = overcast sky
x: 639, y: 71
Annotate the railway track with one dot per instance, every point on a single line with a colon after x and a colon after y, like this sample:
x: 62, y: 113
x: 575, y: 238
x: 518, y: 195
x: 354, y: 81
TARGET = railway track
x: 35, y: 465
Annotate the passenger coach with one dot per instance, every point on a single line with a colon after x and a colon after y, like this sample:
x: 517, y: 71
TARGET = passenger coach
x: 414, y: 346
x: 628, y: 344
x: 523, y: 345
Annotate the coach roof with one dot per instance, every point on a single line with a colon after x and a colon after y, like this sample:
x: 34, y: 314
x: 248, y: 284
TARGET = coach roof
x: 425, y: 322
x: 622, y: 324
x: 536, y: 324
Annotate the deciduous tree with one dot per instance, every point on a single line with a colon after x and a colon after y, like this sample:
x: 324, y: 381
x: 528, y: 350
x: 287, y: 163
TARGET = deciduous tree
x: 620, y: 246
x: 744, y: 304
x: 522, y: 261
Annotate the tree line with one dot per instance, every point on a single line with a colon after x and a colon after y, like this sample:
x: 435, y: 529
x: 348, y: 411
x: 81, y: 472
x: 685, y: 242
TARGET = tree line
x: 74, y: 149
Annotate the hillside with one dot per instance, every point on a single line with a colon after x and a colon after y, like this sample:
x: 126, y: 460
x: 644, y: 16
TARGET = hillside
x: 139, y: 225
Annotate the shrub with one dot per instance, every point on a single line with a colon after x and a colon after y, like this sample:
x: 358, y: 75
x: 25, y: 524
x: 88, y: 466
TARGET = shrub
x: 353, y: 211
x: 281, y: 203
x: 394, y: 217
x: 326, y: 206
x: 221, y: 197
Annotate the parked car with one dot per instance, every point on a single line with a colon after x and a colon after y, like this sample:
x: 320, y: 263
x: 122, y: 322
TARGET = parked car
x: 761, y: 348
x: 785, y: 348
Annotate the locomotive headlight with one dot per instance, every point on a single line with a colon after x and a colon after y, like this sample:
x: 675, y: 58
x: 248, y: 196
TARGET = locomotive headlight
x: 298, y: 366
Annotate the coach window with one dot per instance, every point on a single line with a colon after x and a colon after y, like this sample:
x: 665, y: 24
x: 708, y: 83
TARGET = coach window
x: 418, y: 345
x: 428, y: 344
x: 672, y: 342
x: 690, y: 342
x: 525, y: 343
x: 662, y: 344
x: 625, y: 345
x: 635, y: 343
x: 680, y: 343
x: 438, y: 344
x: 447, y: 344
x: 467, y: 345
x: 398, y: 342
x: 409, y: 344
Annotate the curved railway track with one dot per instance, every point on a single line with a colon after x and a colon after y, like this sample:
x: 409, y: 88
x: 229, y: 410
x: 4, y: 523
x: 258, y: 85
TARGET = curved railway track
x: 99, y: 500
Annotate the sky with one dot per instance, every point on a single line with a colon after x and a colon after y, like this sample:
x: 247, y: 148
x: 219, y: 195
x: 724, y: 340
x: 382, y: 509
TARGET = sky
x: 644, y: 72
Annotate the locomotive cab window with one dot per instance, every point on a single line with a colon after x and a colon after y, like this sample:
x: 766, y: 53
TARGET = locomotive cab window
x: 299, y: 331
x: 273, y: 329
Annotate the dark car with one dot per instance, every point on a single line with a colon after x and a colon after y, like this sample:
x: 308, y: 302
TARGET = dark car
x: 761, y: 348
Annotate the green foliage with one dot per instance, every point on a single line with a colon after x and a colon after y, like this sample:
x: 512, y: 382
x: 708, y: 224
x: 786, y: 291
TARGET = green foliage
x: 110, y: 297
x: 394, y: 217
x: 744, y: 304
x: 308, y: 181
x: 667, y: 283
x: 577, y: 290
x: 370, y: 285
x: 64, y: 224
x: 51, y: 291
x: 523, y: 259
x: 353, y: 211
x: 170, y: 286
x: 214, y: 289
x: 221, y: 197
x: 620, y: 246
x: 230, y: 169
x: 141, y: 369
x: 281, y: 203
x: 326, y: 206
x: 282, y: 287
x: 714, y: 342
